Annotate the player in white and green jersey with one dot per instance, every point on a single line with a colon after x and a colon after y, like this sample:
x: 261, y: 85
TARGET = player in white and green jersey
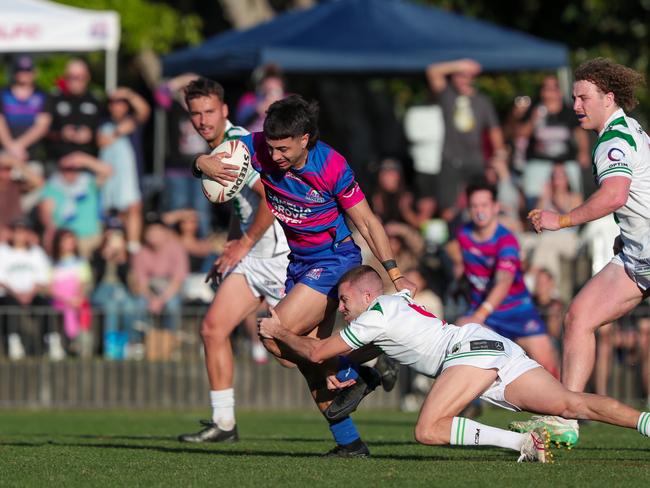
x: 466, y: 361
x: 603, y: 92
x: 251, y: 269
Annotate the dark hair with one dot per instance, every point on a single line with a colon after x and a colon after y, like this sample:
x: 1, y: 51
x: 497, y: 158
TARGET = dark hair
x: 292, y: 117
x: 355, y: 274
x: 479, y: 185
x: 609, y: 76
x: 56, y: 245
x: 203, y: 87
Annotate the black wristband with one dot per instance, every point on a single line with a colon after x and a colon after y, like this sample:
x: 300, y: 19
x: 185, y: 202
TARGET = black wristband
x: 389, y: 264
x: 195, y: 169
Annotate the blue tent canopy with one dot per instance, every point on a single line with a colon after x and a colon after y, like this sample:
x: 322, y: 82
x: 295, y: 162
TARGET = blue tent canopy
x: 360, y: 36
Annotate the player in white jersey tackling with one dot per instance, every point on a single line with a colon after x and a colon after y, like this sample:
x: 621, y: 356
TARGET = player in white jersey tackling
x: 603, y: 92
x: 252, y: 267
x: 467, y: 361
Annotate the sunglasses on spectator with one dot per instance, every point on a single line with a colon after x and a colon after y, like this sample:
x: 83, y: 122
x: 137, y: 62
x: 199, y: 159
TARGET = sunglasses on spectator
x: 72, y: 77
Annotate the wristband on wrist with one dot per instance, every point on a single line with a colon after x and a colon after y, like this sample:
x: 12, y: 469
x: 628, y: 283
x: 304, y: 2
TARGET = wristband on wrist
x: 565, y: 221
x: 389, y: 264
x: 487, y: 306
x: 395, y: 274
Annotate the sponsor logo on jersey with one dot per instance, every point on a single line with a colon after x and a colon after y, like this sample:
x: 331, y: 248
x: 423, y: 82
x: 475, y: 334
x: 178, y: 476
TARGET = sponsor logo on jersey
x: 531, y: 326
x: 615, y: 154
x: 314, y: 196
x: 314, y: 273
x: 485, y: 345
x: 478, y: 282
x: 286, y: 211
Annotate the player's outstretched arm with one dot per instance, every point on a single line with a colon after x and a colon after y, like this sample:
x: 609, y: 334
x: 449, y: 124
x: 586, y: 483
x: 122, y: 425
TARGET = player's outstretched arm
x: 611, y: 196
x: 236, y: 249
x: 314, y: 350
x: 373, y: 232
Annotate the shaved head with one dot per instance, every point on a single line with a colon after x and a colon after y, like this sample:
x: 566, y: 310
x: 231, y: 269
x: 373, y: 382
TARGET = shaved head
x: 364, y: 277
x: 358, y: 288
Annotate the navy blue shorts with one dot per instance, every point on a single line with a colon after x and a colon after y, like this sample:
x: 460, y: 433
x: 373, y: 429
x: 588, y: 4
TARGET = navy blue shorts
x: 516, y: 323
x: 322, y: 272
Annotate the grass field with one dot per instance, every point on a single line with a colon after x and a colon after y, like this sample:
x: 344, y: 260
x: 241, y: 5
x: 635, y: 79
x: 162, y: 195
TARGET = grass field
x: 138, y: 448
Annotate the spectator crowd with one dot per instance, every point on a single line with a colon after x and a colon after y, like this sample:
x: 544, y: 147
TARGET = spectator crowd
x: 86, y: 266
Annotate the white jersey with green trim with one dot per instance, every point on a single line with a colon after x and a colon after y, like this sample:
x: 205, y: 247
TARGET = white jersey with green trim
x: 405, y: 331
x: 623, y: 149
x: 246, y: 203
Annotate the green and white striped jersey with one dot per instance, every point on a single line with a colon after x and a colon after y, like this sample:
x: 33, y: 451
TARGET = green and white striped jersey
x: 623, y: 149
x: 405, y: 331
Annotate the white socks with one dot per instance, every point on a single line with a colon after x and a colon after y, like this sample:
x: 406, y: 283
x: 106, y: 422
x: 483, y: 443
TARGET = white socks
x: 223, y: 408
x: 643, y: 425
x: 466, y: 432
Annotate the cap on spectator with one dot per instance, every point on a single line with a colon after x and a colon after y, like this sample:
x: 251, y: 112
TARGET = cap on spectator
x: 390, y: 163
x: 22, y: 223
x: 23, y: 63
x: 113, y: 222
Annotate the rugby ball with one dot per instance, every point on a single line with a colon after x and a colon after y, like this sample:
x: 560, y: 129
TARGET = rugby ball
x: 236, y: 153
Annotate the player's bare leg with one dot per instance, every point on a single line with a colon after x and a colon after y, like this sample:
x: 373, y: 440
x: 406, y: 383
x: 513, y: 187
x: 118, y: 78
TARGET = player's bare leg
x: 537, y: 391
x: 607, y: 296
x: 302, y: 310
x: 232, y: 303
x: 603, y: 358
x: 540, y: 348
x: 438, y: 422
x: 258, y: 351
x: 644, y: 352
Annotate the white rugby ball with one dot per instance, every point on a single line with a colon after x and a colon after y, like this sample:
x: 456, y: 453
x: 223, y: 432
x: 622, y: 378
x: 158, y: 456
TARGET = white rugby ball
x: 236, y: 153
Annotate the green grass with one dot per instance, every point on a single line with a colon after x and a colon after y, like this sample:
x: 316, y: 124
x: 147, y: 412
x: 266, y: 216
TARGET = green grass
x: 138, y: 448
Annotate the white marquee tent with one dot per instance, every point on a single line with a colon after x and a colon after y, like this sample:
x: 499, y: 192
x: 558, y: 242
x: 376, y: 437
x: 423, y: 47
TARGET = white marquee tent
x: 42, y: 26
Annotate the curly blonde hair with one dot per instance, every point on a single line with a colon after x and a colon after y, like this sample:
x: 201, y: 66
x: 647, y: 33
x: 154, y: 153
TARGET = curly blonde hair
x: 609, y: 76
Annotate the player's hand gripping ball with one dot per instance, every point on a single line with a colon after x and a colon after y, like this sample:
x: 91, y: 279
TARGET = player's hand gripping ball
x: 236, y: 153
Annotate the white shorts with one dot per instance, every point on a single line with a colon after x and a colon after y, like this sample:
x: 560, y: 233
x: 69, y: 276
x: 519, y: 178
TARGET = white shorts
x: 637, y: 270
x: 483, y: 348
x: 265, y: 276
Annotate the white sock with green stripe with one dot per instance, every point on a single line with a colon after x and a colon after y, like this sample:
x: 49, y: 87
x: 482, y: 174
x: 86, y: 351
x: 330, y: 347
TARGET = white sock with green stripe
x: 643, y: 425
x: 466, y: 432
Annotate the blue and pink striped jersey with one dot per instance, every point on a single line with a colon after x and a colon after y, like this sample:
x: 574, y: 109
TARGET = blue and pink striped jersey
x: 482, y: 260
x: 308, y: 202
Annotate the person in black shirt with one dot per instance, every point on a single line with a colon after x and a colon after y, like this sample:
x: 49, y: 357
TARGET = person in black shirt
x: 554, y: 136
x: 76, y: 113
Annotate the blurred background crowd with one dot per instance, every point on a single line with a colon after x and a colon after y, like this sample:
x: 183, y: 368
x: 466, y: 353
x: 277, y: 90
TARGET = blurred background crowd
x: 101, y: 254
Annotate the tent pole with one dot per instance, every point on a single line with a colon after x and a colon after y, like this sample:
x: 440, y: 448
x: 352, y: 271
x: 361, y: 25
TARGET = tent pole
x: 110, y: 78
x: 564, y: 77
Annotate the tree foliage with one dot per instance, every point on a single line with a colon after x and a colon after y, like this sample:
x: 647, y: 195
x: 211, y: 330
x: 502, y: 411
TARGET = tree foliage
x: 590, y: 28
x: 144, y: 25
